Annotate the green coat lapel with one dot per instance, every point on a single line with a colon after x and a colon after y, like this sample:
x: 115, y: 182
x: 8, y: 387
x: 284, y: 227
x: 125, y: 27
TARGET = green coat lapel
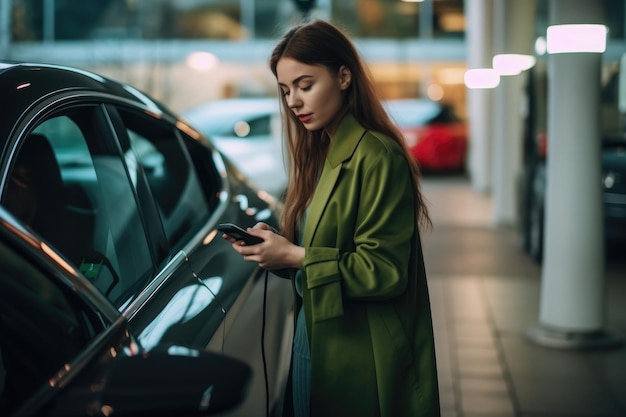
x: 342, y: 146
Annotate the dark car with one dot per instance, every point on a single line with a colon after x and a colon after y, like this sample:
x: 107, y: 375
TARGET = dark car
x: 66, y: 351
x: 532, y: 186
x: 436, y: 136
x: 248, y: 131
x: 131, y: 196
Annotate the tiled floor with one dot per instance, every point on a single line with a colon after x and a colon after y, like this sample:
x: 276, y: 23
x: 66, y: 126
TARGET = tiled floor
x: 485, y: 294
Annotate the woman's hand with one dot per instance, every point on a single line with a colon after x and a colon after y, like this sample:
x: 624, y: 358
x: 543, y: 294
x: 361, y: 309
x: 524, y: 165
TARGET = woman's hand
x: 275, y: 252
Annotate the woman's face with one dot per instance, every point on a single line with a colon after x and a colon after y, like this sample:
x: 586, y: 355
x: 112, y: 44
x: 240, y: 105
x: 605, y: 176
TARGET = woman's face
x: 313, y: 93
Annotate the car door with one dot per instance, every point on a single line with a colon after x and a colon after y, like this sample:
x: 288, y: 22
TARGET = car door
x: 230, y: 306
x: 48, y: 330
x: 97, y: 191
x: 65, y: 351
x: 178, y: 306
x: 132, y: 199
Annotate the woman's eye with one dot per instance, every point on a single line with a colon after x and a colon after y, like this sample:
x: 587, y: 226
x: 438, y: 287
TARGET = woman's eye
x: 306, y: 88
x: 285, y: 93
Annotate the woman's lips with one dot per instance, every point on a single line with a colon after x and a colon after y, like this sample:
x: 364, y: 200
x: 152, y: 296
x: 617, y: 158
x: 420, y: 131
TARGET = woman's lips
x: 304, y: 118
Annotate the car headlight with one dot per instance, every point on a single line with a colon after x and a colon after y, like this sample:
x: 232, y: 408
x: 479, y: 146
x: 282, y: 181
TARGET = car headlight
x: 242, y: 129
x: 609, y: 180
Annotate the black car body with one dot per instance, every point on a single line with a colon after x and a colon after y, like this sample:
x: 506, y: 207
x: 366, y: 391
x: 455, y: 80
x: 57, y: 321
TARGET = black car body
x: 66, y: 351
x: 131, y: 196
x: 533, y: 181
x: 613, y: 183
x: 614, y: 188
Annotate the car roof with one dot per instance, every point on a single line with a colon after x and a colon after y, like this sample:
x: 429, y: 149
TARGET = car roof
x: 25, y: 83
x: 46, y: 78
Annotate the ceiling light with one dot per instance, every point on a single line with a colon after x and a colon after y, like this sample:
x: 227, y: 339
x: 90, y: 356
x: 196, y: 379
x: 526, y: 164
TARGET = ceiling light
x: 512, y: 64
x: 576, y: 38
x: 482, y: 78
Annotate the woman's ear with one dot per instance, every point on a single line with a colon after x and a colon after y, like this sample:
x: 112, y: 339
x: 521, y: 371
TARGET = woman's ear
x: 345, y: 77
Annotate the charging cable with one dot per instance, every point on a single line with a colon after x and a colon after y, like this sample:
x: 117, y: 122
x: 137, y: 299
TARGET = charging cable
x: 267, y: 389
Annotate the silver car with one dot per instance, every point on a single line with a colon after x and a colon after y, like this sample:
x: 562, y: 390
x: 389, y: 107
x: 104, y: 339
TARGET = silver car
x: 248, y: 132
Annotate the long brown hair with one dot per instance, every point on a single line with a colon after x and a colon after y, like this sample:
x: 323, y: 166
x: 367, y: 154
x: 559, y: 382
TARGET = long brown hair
x: 321, y: 43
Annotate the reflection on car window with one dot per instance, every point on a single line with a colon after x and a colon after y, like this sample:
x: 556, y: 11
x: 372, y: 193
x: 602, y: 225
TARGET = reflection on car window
x: 41, y: 328
x: 173, y: 182
x: 259, y: 126
x: 74, y: 191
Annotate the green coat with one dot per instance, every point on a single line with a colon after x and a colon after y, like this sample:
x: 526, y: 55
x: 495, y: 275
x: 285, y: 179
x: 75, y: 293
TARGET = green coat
x: 364, y: 285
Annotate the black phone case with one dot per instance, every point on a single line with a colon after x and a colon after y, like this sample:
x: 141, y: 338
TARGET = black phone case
x: 238, y: 233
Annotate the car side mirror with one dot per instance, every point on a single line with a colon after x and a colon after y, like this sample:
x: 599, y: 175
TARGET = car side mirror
x: 171, y: 381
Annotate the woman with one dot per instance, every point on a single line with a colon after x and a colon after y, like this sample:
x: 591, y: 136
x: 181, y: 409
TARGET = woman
x: 350, y: 239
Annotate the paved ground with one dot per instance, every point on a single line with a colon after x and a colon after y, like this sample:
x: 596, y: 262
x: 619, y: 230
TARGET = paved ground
x: 485, y: 294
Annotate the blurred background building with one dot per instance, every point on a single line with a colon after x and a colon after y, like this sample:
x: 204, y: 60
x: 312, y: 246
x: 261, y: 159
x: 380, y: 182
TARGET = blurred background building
x: 185, y: 52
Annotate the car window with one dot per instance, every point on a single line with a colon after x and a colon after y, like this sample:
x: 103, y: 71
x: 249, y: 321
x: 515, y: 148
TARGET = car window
x: 42, y: 328
x: 70, y: 185
x: 256, y: 126
x: 182, y: 204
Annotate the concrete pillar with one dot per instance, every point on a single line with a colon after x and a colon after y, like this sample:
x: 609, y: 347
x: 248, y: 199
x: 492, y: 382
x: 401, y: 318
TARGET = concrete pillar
x: 572, y: 289
x: 49, y: 21
x: 514, y: 34
x: 6, y: 11
x: 426, y: 20
x: 247, y: 16
x: 479, y: 40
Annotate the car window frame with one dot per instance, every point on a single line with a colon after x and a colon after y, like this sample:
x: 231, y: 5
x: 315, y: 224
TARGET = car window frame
x: 61, y: 104
x: 206, y: 168
x: 191, y: 138
x: 152, y: 222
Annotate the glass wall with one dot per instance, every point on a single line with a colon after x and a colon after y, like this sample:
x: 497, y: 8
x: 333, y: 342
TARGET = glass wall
x: 66, y: 20
x: 401, y: 19
x: 143, y: 33
x: 414, y: 48
x: 76, y: 20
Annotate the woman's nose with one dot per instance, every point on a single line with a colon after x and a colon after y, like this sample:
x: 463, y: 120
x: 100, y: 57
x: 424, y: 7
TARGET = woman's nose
x: 293, y: 101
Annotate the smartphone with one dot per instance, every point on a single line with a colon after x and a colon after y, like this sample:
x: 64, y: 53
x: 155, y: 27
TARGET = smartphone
x: 238, y: 233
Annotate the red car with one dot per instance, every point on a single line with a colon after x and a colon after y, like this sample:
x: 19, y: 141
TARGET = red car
x: 436, y: 136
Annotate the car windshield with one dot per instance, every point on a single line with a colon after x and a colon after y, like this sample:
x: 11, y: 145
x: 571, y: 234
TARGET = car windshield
x: 412, y: 112
x: 223, y: 117
x: 217, y: 124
